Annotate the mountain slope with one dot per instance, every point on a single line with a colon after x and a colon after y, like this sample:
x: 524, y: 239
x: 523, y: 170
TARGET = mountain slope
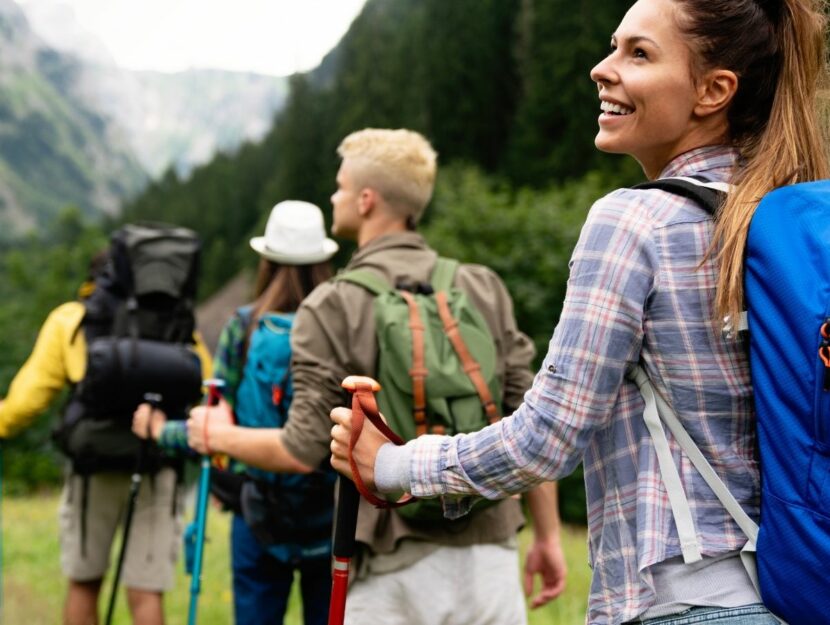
x: 184, y: 119
x: 54, y: 149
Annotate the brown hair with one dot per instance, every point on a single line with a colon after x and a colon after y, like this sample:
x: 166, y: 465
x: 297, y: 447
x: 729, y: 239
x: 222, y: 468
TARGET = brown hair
x: 282, y: 288
x: 777, y: 48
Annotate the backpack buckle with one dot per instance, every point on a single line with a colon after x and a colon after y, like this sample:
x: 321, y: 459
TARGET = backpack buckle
x: 416, y: 288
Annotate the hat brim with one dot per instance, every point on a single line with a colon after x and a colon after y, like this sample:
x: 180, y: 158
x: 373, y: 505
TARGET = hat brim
x: 329, y: 249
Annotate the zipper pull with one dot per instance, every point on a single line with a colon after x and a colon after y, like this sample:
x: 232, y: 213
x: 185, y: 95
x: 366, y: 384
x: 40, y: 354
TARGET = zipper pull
x: 276, y: 393
x: 824, y: 352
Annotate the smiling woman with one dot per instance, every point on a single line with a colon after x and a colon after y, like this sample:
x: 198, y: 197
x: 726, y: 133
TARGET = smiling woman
x: 726, y: 91
x: 653, y: 108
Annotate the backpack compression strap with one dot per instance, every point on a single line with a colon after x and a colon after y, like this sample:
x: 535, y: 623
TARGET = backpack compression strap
x: 468, y: 363
x: 365, y: 406
x: 419, y: 371
x: 442, y: 278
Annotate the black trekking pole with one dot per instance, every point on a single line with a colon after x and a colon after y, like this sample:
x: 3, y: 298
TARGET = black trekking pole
x: 348, y: 501
x: 154, y: 399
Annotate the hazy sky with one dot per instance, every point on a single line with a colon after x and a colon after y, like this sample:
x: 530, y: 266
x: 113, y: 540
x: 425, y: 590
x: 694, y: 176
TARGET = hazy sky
x: 266, y: 36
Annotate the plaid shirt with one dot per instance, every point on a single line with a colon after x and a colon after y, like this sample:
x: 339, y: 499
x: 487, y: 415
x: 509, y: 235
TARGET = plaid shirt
x: 637, y: 292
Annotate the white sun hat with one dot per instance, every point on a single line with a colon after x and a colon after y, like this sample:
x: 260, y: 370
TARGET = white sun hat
x: 295, y: 235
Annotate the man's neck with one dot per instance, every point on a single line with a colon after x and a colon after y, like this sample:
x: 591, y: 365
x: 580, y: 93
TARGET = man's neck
x: 371, y: 231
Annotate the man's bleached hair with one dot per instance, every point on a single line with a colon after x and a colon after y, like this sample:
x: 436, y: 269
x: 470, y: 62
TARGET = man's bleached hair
x: 398, y: 164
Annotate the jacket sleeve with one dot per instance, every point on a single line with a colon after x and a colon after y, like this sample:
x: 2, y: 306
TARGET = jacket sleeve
x: 319, y: 349
x: 45, y: 372
x: 204, y: 355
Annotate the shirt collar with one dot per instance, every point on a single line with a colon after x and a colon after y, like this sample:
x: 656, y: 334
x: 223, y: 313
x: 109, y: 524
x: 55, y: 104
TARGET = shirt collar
x: 716, y: 159
x: 397, y: 240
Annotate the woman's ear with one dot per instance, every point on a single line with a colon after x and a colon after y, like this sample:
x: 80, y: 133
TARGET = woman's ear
x: 715, y: 91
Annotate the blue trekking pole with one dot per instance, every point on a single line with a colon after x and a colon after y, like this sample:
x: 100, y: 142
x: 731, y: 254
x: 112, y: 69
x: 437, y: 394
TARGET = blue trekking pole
x: 194, y: 536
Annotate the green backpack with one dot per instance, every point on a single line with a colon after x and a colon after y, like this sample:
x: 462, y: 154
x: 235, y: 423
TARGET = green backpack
x: 436, y: 362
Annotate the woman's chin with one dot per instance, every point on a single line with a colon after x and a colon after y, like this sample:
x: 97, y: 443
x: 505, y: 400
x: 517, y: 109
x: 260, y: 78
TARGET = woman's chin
x: 607, y: 144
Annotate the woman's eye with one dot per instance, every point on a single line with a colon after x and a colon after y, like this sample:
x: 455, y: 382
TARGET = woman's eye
x: 640, y: 53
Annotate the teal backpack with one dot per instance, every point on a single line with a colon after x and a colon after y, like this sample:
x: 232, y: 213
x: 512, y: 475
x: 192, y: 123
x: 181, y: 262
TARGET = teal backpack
x: 279, y: 508
x: 436, y: 362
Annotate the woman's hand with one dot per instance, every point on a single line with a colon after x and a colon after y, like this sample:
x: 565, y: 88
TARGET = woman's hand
x: 148, y: 422
x: 365, y: 451
x: 208, y: 426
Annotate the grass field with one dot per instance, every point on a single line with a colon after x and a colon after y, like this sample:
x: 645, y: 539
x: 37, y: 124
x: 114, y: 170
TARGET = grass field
x: 34, y: 589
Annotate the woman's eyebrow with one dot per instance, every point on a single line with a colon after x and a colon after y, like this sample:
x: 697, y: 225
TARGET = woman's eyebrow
x: 633, y: 40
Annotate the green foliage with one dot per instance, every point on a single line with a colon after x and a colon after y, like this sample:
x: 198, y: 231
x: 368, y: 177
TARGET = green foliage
x: 500, y: 87
x: 39, y: 274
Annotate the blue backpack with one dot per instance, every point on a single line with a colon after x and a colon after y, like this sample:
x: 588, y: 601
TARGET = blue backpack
x: 279, y: 508
x: 787, y: 291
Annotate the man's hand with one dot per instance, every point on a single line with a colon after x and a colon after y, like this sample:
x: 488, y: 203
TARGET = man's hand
x: 148, y: 422
x: 208, y: 426
x: 545, y: 558
x: 365, y: 451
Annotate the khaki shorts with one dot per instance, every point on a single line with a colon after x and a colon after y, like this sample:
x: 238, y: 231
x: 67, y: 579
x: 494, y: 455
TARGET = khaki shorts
x: 155, y: 534
x: 479, y: 584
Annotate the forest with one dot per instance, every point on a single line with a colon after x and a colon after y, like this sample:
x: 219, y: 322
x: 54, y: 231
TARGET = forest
x: 500, y: 87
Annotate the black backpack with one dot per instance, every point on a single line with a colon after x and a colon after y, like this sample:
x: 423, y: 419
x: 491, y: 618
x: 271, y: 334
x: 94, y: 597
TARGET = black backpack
x: 138, y: 325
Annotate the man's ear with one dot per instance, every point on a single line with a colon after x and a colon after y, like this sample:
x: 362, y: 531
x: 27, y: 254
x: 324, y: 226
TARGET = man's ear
x: 715, y: 91
x: 366, y: 201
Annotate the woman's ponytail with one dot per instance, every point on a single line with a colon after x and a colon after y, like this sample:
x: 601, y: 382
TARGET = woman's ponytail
x: 777, y: 120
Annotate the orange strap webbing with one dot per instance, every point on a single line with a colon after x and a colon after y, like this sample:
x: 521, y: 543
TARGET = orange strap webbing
x: 468, y: 363
x: 418, y: 372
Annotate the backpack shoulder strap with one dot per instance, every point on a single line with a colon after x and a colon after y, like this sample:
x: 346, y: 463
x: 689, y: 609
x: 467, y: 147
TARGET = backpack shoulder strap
x: 657, y: 410
x: 443, y: 274
x: 366, y: 278
x: 708, y: 195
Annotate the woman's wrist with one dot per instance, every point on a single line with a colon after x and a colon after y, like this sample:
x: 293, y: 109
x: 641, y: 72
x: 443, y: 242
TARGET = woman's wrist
x: 392, y: 469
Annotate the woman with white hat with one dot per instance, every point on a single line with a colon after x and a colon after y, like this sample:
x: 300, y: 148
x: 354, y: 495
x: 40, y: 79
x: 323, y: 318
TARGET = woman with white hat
x: 283, y: 521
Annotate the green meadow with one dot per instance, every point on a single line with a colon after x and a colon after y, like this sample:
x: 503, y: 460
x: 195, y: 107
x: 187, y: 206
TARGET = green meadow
x: 33, y: 588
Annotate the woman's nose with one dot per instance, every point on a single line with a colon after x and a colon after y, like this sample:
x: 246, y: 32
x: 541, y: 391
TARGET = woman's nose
x: 603, y: 72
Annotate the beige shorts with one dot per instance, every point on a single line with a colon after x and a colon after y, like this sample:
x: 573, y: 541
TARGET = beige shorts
x: 155, y: 533
x: 479, y: 584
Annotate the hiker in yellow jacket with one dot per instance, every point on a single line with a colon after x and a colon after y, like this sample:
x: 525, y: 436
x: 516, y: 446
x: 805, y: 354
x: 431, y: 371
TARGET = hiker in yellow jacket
x: 58, y: 360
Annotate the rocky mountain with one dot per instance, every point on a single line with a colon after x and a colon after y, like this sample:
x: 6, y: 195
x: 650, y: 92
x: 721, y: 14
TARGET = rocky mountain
x: 183, y: 119
x: 55, y: 149
x: 178, y: 120
x: 76, y: 129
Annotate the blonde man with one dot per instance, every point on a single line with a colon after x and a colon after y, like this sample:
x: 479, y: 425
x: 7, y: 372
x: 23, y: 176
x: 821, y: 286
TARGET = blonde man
x: 408, y: 574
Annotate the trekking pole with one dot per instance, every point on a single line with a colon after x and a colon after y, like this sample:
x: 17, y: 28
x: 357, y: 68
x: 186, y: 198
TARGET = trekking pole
x: 154, y: 399
x: 348, y: 500
x: 195, y: 534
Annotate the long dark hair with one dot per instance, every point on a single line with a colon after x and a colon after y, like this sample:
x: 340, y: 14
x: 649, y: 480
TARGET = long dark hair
x: 282, y: 288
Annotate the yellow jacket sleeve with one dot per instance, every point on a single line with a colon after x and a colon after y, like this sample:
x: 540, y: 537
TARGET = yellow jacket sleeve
x: 204, y: 355
x: 53, y: 363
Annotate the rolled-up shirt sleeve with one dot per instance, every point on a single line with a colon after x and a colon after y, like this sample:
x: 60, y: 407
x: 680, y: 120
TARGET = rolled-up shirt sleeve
x: 319, y: 343
x: 613, y: 272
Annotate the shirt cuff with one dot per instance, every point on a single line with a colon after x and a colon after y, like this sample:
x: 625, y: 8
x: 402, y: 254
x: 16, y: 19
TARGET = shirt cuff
x: 435, y: 470
x: 392, y: 469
